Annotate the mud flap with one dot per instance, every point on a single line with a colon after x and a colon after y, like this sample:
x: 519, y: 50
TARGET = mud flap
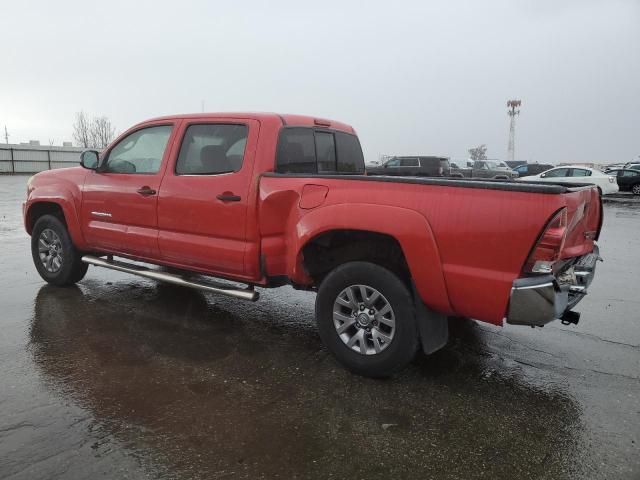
x: 432, y: 326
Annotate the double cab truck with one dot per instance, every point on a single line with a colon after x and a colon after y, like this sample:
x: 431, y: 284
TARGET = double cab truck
x: 266, y: 200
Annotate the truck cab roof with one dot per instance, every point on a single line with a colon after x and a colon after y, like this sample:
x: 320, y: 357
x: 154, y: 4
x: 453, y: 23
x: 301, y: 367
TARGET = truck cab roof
x: 288, y: 120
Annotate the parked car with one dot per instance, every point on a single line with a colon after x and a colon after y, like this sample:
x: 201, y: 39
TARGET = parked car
x: 512, y: 164
x: 628, y: 180
x: 418, y: 166
x: 615, y: 166
x: 606, y: 183
x: 485, y: 169
x: 632, y: 165
x: 532, y: 169
x: 268, y: 200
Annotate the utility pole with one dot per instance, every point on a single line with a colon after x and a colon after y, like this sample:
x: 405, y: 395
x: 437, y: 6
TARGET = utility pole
x: 6, y: 135
x: 513, y: 110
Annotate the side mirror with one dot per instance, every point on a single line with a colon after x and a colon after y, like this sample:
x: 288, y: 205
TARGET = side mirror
x: 542, y: 175
x: 89, y: 159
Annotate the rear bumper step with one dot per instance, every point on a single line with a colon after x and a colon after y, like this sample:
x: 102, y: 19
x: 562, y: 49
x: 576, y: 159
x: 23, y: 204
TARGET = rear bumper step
x: 536, y: 301
x: 176, y: 279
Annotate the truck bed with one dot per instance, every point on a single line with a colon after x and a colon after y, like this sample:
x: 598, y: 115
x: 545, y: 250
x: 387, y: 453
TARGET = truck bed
x: 487, y: 184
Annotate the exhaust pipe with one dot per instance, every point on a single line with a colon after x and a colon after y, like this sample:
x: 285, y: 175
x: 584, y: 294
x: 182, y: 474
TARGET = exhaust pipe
x: 241, y: 293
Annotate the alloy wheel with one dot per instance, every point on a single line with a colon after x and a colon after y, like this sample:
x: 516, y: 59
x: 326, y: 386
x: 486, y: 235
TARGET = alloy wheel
x: 364, y: 319
x: 50, y: 250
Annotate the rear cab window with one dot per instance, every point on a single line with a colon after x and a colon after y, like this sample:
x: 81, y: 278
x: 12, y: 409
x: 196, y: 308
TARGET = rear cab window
x: 310, y: 150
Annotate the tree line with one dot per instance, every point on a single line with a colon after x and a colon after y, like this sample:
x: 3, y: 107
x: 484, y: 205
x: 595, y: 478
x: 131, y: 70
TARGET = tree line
x: 93, y: 132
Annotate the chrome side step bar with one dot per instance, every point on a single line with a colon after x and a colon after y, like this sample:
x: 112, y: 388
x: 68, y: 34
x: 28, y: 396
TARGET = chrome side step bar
x: 242, y: 293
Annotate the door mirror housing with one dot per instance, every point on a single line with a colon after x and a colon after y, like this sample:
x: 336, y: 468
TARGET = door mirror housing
x: 542, y: 175
x: 89, y: 159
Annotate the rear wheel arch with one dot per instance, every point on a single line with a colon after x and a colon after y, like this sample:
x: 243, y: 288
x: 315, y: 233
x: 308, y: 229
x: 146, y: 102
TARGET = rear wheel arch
x: 332, y: 248
x: 405, y: 232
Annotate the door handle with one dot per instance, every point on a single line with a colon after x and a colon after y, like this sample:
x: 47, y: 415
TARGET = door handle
x: 228, y: 197
x: 146, y: 190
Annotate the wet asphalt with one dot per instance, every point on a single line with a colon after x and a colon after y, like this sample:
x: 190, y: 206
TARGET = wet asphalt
x: 121, y: 377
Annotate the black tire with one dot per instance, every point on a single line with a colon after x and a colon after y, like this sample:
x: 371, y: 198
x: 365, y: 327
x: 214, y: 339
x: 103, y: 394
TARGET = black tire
x: 71, y: 269
x: 399, y: 352
x: 635, y: 189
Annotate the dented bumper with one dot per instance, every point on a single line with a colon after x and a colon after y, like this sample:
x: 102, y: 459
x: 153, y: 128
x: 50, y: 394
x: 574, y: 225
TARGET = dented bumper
x: 536, y: 301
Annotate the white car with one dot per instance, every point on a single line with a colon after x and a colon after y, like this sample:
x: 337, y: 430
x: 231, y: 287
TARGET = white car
x: 607, y: 183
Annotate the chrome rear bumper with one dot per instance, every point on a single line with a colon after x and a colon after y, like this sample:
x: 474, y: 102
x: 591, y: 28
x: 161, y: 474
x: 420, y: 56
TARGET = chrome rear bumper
x: 536, y: 301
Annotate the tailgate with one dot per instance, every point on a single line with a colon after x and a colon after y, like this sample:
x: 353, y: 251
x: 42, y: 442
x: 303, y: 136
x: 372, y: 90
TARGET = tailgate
x: 584, y: 220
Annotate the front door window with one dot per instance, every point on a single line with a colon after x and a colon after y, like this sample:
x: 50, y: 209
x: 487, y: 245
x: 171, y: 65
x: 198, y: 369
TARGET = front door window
x: 140, y: 152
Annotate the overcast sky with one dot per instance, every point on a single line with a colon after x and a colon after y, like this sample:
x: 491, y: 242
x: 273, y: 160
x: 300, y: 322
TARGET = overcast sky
x: 413, y: 77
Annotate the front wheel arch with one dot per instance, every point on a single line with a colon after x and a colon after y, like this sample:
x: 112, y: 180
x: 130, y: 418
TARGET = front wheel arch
x: 39, y: 209
x: 50, y: 240
x: 63, y: 207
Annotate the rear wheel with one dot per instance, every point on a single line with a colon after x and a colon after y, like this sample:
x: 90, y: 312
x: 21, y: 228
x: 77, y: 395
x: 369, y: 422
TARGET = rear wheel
x: 56, y: 258
x: 636, y: 189
x: 366, y: 318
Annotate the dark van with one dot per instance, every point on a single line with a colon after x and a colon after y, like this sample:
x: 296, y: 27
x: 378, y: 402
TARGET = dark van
x: 418, y: 166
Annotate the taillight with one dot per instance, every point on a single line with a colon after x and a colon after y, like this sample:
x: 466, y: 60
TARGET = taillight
x: 440, y: 171
x: 549, y: 246
x: 612, y: 179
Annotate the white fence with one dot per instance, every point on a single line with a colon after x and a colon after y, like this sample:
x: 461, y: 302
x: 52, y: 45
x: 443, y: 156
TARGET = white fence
x: 33, y: 159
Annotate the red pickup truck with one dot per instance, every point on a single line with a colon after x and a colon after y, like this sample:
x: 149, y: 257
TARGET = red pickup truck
x: 266, y: 200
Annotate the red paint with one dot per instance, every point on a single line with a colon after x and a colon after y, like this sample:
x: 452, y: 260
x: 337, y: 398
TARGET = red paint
x: 464, y: 246
x: 313, y: 196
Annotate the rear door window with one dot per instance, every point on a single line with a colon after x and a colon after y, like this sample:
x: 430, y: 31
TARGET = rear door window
x: 580, y: 172
x: 211, y: 149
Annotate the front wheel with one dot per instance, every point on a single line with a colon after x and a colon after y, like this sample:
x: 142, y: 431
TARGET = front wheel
x: 56, y: 258
x: 366, y: 318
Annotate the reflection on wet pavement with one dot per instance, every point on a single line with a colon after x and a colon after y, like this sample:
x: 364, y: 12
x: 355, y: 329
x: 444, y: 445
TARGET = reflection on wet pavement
x: 124, y: 378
